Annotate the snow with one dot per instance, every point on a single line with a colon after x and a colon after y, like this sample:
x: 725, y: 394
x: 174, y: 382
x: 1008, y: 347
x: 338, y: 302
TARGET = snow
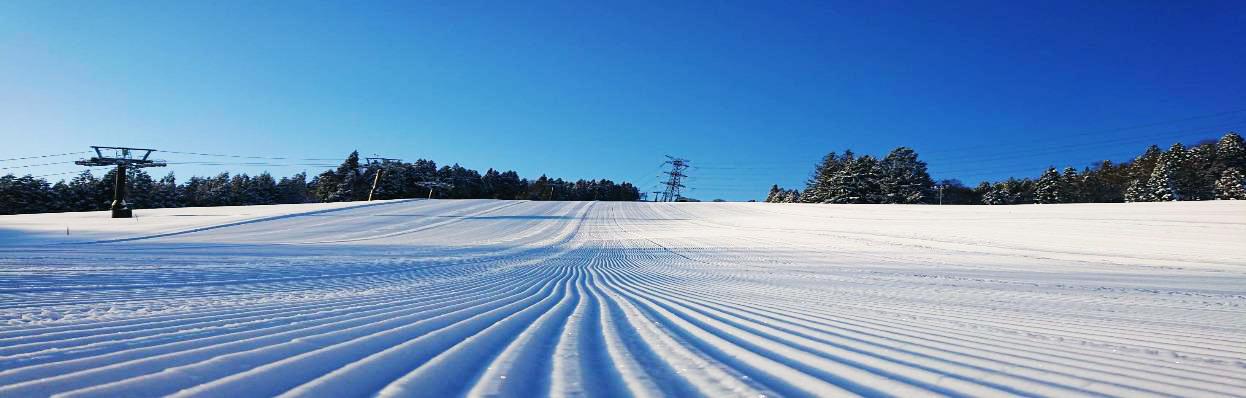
x: 483, y: 297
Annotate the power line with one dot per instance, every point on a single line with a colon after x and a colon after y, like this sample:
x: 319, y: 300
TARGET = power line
x: 60, y: 174
x: 210, y: 163
x: 44, y: 156
x: 243, y: 156
x: 34, y: 165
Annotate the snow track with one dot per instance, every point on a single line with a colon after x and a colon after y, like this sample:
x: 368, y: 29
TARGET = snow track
x: 485, y: 298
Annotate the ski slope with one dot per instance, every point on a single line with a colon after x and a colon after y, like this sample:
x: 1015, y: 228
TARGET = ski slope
x: 480, y: 297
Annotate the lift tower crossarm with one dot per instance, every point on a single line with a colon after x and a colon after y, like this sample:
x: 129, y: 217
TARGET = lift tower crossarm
x: 123, y: 158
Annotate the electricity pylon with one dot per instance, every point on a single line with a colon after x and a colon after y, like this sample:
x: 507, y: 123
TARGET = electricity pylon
x: 674, y: 182
x: 123, y: 158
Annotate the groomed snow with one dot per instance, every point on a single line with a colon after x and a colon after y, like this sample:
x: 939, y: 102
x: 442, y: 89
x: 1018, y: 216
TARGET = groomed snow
x: 479, y: 297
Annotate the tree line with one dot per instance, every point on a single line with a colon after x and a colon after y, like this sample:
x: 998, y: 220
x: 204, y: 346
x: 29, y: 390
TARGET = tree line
x: 351, y: 181
x: 1210, y: 170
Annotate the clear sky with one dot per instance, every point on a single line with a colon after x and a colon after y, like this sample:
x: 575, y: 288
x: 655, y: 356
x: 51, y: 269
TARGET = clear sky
x: 753, y: 92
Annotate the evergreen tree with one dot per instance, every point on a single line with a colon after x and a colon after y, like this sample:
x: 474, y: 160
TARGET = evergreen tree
x: 263, y: 189
x: 294, y: 189
x: 1071, y: 184
x: 351, y: 184
x: 1105, y: 183
x: 1050, y: 188
x: 1162, y: 186
x: 59, y: 198
x: 791, y: 197
x: 857, y: 182
x: 541, y: 189
x: 1197, y: 180
x: 818, y: 187
x: 141, y: 190
x: 1141, y: 168
x: 956, y: 193
x: 1231, y: 185
x: 1230, y: 154
x: 165, y: 193
x: 904, y: 178
x: 1138, y: 192
x: 24, y: 194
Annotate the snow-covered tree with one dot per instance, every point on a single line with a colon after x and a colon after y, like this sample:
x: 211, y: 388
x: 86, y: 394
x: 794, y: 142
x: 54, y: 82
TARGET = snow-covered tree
x: 1163, y: 184
x: 350, y: 181
x: 819, y: 186
x: 857, y: 182
x: 1230, y: 154
x: 1073, y: 185
x: 1231, y: 186
x: 1138, y: 192
x: 904, y: 178
x: 1050, y: 188
x: 1142, y: 166
x: 1195, y: 178
x: 793, y: 196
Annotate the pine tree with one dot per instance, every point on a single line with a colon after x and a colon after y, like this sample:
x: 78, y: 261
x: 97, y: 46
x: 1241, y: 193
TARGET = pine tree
x: 350, y: 183
x: 1105, y: 183
x: 1050, y: 188
x: 1197, y: 180
x: 1141, y: 168
x: 904, y: 178
x: 857, y: 182
x: 263, y: 189
x: 294, y: 189
x: 1230, y: 154
x: 165, y: 192
x: 818, y: 188
x: 1138, y: 192
x: 26, y: 194
x: 1072, y: 185
x: 792, y: 196
x: 1231, y: 185
x: 140, y: 190
x: 1163, y: 185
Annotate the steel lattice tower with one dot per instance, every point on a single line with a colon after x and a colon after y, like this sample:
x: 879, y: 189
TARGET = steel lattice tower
x: 674, y: 182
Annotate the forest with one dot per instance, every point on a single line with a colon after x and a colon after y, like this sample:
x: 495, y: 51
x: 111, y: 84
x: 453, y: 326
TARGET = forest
x: 351, y: 181
x: 1210, y: 170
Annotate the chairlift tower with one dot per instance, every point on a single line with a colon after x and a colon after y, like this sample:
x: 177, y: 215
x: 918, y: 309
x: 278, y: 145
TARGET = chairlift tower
x: 123, y: 158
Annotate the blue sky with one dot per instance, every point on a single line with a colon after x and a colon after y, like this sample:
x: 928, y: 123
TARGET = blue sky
x: 753, y: 92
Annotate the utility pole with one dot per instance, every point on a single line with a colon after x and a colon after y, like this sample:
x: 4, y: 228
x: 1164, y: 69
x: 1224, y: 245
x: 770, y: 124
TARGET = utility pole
x: 675, y: 182
x: 656, y: 194
x: 122, y: 158
x: 940, y: 195
x: 380, y: 164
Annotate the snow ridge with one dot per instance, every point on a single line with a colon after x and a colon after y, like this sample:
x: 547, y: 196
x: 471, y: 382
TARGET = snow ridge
x: 513, y: 298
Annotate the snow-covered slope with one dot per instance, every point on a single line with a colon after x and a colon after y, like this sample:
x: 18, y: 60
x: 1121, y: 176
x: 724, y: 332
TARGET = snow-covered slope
x: 479, y: 297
